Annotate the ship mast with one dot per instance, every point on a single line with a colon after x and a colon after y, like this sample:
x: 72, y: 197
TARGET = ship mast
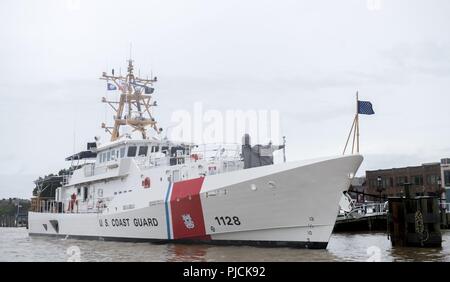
x: 134, y: 105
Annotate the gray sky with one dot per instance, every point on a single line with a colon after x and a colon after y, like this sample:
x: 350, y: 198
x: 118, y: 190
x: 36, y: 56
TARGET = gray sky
x: 303, y: 58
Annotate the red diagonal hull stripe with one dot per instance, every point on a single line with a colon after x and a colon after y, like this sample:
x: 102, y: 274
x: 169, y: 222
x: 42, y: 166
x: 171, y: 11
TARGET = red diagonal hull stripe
x: 185, y: 200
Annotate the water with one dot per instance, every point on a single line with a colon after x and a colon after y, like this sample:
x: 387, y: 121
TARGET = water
x: 16, y: 245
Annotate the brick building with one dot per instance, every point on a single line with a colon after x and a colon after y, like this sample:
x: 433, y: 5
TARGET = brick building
x: 445, y: 176
x: 424, y: 180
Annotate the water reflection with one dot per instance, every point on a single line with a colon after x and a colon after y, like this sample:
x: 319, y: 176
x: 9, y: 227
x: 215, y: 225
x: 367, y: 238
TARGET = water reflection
x: 418, y: 254
x: 179, y: 252
x: 16, y: 245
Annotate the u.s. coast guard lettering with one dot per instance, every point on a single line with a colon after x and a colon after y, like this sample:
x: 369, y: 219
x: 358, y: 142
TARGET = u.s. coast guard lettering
x: 126, y: 222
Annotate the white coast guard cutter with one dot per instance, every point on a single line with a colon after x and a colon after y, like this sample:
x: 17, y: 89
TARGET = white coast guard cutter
x: 146, y: 188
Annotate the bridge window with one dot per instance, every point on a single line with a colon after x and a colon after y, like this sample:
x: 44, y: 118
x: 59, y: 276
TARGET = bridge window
x: 108, y: 156
x: 122, y: 152
x: 155, y: 149
x: 143, y: 150
x: 132, y: 151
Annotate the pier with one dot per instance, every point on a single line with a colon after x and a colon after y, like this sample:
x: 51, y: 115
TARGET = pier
x: 373, y: 217
x: 363, y: 217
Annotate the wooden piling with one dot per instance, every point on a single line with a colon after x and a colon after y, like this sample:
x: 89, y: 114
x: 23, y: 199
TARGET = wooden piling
x: 414, y: 221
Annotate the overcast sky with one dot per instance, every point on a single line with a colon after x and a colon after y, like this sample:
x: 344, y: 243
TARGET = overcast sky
x: 305, y: 59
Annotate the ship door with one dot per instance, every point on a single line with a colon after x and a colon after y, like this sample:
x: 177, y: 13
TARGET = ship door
x: 85, y: 193
x: 58, y: 194
x: 184, y: 173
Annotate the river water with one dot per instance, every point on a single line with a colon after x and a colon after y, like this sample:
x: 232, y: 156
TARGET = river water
x: 16, y: 245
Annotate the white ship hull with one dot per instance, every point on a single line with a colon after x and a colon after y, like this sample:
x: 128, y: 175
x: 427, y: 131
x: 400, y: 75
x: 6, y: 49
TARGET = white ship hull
x: 292, y: 204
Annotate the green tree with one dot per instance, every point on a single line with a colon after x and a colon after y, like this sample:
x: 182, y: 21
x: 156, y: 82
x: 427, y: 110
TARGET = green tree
x: 9, y: 206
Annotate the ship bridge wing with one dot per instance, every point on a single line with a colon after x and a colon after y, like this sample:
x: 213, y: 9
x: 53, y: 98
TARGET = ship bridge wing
x: 82, y: 155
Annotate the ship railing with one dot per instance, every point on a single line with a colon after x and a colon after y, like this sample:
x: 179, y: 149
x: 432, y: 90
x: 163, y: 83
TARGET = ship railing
x: 228, y: 153
x: 50, y: 206
x: 53, y: 206
x: 366, y: 209
x: 372, y: 209
x: 218, y: 151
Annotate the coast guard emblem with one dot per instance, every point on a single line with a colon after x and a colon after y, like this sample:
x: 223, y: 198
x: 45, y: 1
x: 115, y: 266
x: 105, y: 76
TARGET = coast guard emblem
x: 188, y: 222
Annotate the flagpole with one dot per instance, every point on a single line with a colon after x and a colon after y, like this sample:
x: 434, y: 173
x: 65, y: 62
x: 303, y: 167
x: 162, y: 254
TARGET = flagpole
x: 357, y: 122
x: 354, y: 135
x: 349, y: 135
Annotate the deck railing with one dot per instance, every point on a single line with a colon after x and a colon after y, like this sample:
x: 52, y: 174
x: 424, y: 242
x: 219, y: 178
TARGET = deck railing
x: 229, y: 153
x: 366, y: 209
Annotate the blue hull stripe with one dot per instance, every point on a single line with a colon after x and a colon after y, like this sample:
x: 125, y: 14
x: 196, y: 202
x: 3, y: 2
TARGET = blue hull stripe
x: 167, y: 210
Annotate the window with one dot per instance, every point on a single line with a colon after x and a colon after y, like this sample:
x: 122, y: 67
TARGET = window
x: 132, y: 151
x: 155, y: 149
x: 432, y: 179
x: 402, y: 180
x: 447, y: 178
x: 417, y: 180
x: 108, y: 156
x: 385, y: 183
x: 143, y: 151
x: 122, y: 152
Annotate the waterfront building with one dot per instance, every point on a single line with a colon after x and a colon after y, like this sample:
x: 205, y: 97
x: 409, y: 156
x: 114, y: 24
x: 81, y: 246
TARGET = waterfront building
x: 424, y: 179
x: 445, y: 176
